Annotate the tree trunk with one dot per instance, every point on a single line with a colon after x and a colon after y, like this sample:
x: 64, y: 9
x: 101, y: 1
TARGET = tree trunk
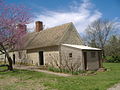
x: 103, y: 51
x: 10, y: 63
x: 8, y: 57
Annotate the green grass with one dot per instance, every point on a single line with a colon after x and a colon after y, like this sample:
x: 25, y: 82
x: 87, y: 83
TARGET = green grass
x: 22, y: 79
x: 3, y: 68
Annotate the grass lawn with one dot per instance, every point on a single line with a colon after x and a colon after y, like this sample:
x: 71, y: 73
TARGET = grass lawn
x: 30, y: 80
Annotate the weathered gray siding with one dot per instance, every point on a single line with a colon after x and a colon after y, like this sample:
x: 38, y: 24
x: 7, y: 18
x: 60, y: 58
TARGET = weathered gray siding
x: 76, y: 60
x: 92, y: 62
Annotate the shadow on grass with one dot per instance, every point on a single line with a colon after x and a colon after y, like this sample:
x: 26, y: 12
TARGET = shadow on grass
x: 4, y: 67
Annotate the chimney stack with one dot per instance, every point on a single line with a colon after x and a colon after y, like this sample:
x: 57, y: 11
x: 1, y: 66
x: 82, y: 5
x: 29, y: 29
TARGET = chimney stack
x: 39, y: 26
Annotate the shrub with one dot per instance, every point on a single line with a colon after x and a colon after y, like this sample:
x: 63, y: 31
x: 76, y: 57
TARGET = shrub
x: 65, y: 71
x: 54, y: 69
x: 113, y: 59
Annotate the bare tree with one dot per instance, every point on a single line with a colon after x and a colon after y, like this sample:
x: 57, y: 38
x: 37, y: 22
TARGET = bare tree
x: 98, y: 33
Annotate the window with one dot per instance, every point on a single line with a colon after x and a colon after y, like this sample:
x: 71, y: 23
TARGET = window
x: 70, y: 55
x: 93, y: 54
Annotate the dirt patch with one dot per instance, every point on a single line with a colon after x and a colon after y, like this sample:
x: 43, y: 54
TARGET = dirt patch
x: 115, y: 87
x: 31, y: 85
x: 7, y: 80
x: 34, y: 68
x: 21, y: 84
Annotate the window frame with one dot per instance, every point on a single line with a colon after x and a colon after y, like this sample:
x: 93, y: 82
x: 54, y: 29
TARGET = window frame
x: 70, y: 55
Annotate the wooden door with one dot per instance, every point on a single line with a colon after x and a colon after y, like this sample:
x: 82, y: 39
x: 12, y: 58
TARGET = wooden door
x: 85, y: 60
x: 41, y: 60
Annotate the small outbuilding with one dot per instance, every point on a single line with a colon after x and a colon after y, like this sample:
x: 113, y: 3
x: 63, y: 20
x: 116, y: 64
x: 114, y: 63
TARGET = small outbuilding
x: 88, y: 57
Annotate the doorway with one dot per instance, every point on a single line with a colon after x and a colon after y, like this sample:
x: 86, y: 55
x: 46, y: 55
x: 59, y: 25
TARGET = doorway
x: 85, y: 60
x: 13, y: 58
x: 41, y: 58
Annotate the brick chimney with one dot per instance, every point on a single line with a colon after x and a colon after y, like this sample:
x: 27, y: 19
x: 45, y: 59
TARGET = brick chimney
x: 39, y: 26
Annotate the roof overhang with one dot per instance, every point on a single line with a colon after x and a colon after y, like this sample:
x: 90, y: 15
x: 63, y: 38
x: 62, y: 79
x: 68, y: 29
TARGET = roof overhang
x: 82, y: 47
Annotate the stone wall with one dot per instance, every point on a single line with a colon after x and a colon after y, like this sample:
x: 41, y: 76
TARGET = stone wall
x: 33, y: 58
x: 49, y: 55
x: 20, y: 56
x: 52, y: 58
x: 2, y: 57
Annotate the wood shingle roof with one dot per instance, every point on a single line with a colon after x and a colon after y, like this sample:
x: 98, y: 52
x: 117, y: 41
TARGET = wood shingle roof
x: 47, y: 37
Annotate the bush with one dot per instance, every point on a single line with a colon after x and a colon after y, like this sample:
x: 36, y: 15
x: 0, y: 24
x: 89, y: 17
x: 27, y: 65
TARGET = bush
x: 113, y: 59
x: 54, y: 69
x: 65, y: 71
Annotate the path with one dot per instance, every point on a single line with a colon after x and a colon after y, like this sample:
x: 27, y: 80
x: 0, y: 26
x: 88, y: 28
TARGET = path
x: 35, y: 68
x: 115, y: 87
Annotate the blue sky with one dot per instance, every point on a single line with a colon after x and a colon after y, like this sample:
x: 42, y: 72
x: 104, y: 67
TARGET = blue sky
x: 80, y: 12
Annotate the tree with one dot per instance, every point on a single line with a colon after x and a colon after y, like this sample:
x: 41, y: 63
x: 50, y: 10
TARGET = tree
x: 112, y: 48
x: 98, y: 33
x: 12, y: 18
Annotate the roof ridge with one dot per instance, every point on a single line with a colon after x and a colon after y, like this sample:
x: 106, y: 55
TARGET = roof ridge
x: 50, y: 28
x: 81, y: 47
x: 55, y: 27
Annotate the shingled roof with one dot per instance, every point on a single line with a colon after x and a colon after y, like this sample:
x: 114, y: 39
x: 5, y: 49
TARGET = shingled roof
x: 47, y: 37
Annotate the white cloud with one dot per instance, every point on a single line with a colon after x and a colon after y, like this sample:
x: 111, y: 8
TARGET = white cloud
x: 80, y: 14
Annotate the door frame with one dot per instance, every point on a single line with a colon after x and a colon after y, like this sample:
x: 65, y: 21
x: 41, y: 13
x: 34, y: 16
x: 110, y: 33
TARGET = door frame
x: 14, y: 59
x: 85, y: 60
x: 41, y: 56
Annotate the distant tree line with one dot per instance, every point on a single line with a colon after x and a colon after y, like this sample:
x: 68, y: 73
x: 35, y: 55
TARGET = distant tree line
x: 105, y: 34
